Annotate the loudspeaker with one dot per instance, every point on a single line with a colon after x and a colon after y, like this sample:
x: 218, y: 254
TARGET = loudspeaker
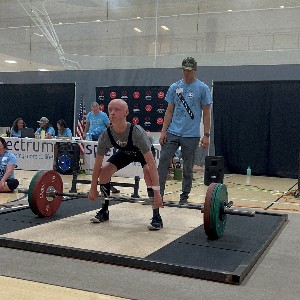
x: 214, y: 169
x: 68, y: 155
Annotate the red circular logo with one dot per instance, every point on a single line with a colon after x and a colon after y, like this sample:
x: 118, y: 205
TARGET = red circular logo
x: 161, y: 95
x: 135, y: 120
x: 136, y: 95
x: 159, y: 121
x: 113, y: 95
x: 148, y: 107
x: 101, y: 107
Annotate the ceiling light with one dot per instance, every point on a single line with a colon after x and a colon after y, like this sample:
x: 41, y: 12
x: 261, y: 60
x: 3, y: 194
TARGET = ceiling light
x: 138, y: 17
x: 164, y: 27
x: 11, y: 61
x: 137, y: 29
x: 282, y: 6
x: 43, y: 70
x: 229, y: 10
x: 98, y: 20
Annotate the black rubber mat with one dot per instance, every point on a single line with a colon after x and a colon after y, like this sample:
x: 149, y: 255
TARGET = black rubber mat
x: 13, y: 219
x: 227, y: 260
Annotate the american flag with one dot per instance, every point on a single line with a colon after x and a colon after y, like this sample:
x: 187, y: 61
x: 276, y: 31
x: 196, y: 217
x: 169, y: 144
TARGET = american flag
x: 81, y: 124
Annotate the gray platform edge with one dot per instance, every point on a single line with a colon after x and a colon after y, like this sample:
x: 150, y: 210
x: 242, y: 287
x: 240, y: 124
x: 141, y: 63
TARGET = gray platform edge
x: 235, y: 277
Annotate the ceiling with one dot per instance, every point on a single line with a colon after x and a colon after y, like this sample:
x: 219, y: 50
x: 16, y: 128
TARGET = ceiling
x: 87, y: 34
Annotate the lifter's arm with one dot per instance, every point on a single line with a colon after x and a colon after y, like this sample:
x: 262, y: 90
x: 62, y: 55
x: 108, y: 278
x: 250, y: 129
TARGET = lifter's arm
x: 93, y: 193
x: 154, y: 178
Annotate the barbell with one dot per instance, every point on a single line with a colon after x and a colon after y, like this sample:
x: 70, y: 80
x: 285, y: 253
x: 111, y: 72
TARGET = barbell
x: 45, y: 195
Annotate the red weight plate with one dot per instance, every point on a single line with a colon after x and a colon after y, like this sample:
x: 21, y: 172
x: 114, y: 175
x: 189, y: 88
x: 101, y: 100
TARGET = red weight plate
x: 206, y: 215
x: 46, y: 206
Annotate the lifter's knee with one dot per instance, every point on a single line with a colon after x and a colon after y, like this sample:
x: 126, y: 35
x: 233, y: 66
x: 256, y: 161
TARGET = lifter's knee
x: 106, y: 172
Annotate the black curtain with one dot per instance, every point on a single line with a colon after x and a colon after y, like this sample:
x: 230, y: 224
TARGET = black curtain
x: 33, y: 101
x: 257, y: 124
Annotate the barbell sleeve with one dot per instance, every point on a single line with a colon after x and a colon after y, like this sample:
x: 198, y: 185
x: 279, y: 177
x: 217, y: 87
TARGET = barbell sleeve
x: 239, y: 212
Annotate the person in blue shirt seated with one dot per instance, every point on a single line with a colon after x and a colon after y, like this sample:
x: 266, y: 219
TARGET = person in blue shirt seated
x: 63, y: 130
x: 16, y: 127
x: 8, y: 162
x: 96, y: 122
x: 46, y: 130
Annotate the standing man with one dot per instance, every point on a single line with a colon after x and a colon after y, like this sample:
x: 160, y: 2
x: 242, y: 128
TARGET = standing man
x: 187, y: 99
x: 96, y: 122
x: 133, y: 145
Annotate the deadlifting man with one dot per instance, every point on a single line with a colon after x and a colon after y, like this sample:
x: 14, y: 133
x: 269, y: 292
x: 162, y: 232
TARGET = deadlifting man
x: 133, y: 145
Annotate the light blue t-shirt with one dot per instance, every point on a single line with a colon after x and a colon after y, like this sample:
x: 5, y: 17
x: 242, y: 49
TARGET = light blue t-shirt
x: 98, y: 122
x: 7, y: 159
x: 14, y: 133
x: 195, y: 94
x: 67, y: 133
x: 49, y: 130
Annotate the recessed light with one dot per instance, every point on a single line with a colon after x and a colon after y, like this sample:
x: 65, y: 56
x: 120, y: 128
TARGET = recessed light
x: 282, y: 6
x: 137, y: 29
x: 98, y: 20
x: 11, y: 61
x: 164, y: 27
x: 43, y: 70
x: 229, y: 10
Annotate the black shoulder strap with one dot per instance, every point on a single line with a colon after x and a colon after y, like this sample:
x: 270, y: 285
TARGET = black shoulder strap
x: 130, y: 142
x: 112, y: 140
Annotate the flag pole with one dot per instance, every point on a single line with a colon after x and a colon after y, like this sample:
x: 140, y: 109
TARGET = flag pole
x: 74, y: 112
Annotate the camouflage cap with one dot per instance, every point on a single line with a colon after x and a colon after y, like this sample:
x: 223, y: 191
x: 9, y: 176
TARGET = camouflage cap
x: 43, y: 120
x: 189, y: 63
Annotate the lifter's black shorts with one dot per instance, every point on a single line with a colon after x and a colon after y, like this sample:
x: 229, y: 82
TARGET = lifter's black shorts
x: 12, y: 183
x: 120, y: 159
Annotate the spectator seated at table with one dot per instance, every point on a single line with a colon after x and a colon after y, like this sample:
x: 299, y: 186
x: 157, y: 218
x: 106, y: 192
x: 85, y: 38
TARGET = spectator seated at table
x: 16, y: 128
x: 63, y: 130
x: 8, y: 162
x: 46, y: 131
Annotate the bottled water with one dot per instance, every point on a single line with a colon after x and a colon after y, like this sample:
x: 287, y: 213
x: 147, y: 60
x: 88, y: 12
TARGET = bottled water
x: 248, y: 177
x: 88, y: 136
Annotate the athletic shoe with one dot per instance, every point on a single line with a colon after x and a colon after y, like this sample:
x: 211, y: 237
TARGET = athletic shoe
x: 156, y: 223
x: 101, y: 216
x: 184, y: 198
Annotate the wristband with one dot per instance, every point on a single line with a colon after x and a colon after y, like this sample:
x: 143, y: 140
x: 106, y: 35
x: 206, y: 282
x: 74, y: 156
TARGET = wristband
x: 156, y: 188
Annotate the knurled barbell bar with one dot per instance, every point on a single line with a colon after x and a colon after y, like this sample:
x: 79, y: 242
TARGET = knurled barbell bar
x: 45, y: 195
